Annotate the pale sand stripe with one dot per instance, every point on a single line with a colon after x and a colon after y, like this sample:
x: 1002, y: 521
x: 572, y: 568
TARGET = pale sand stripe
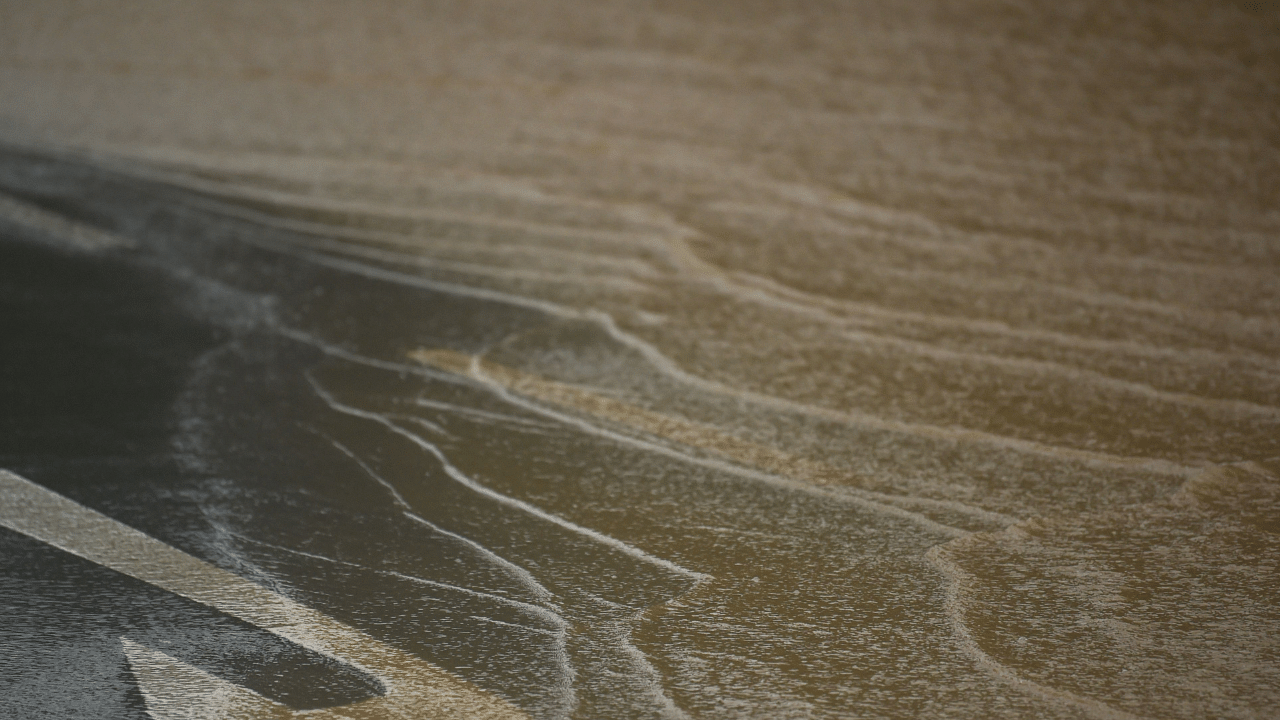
x: 414, y: 688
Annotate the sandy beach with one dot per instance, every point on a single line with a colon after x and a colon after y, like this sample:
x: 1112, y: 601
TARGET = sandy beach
x: 760, y: 359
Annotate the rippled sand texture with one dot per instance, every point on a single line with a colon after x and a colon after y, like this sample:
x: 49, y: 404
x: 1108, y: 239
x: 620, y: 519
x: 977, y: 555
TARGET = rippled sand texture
x: 937, y: 343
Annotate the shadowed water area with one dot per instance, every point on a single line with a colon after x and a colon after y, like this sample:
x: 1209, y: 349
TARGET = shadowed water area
x: 679, y: 359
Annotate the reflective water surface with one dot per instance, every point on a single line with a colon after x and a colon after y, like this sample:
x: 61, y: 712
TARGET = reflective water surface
x: 760, y: 359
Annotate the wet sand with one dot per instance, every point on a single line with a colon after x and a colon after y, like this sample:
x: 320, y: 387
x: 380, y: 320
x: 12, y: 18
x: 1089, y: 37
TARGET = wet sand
x: 781, y: 359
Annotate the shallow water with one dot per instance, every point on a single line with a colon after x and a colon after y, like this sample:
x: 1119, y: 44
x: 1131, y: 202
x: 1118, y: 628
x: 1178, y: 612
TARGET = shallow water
x: 781, y: 360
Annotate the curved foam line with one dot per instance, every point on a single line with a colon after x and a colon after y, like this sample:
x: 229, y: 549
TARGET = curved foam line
x: 654, y: 237
x: 861, y: 420
x: 1093, y: 377
x: 524, y: 576
x: 722, y: 280
x: 956, y: 577
x: 322, y: 232
x: 433, y: 427
x: 640, y: 664
x: 407, y: 280
x: 932, y: 236
x: 851, y: 419
x: 666, y: 365
x: 485, y: 414
x: 568, y: 695
x: 785, y: 297
x: 535, y: 610
x: 880, y: 502
x: 876, y: 499
x: 77, y: 235
x: 221, y: 197
x: 459, y: 477
x: 871, y: 422
x: 478, y: 269
x: 531, y: 583
x: 769, y: 478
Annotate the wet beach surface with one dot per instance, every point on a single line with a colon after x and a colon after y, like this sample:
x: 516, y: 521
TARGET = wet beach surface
x: 784, y: 361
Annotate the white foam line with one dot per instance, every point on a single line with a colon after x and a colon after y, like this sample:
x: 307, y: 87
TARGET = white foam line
x: 464, y: 410
x: 977, y: 513
x: 724, y: 530
x: 418, y: 244
x: 851, y: 419
x: 749, y: 286
x: 720, y: 278
x: 458, y: 476
x: 416, y: 281
x: 224, y: 200
x: 641, y: 666
x: 739, y: 284
x: 471, y: 268
x: 617, y: 630
x: 1233, y: 406
x: 956, y: 578
x: 846, y: 207
x: 876, y: 499
x: 599, y: 537
x: 771, y: 479
x: 77, y: 235
x: 562, y: 654
x: 395, y: 494
x: 524, y: 576
x: 526, y: 628
x: 871, y: 422
x: 534, y: 610
x: 531, y: 583
x: 492, y: 386
x: 935, y: 234
x: 334, y: 350
x: 433, y: 427
x: 1046, y: 367
x: 763, y: 291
